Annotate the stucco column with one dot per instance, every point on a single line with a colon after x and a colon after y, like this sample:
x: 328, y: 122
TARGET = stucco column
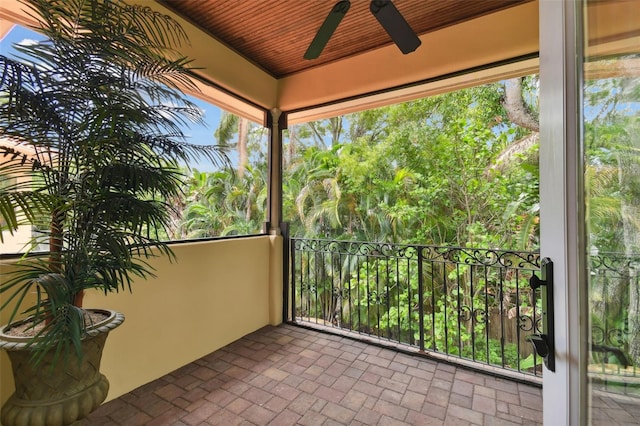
x: 276, y: 122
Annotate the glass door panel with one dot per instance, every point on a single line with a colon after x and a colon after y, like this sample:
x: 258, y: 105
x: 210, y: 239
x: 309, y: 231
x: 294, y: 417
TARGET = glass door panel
x: 611, y: 148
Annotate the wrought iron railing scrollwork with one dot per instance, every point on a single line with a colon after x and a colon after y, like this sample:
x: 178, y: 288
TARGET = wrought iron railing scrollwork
x: 470, y: 303
x: 615, y: 312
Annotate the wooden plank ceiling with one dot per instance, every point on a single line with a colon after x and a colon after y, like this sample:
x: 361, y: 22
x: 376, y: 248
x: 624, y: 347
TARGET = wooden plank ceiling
x: 274, y: 34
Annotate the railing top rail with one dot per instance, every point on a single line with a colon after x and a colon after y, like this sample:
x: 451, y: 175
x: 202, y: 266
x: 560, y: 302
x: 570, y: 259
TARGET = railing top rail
x: 620, y: 264
x: 445, y: 254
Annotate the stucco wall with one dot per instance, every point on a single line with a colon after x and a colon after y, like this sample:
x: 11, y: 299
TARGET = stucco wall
x: 214, y: 293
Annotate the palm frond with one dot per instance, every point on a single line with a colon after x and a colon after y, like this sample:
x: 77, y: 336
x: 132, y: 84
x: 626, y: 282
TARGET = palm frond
x: 93, y: 121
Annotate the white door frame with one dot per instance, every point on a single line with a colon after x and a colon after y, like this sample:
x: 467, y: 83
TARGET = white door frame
x: 561, y: 207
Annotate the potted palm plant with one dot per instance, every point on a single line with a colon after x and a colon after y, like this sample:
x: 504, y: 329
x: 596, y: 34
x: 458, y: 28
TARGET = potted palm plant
x: 91, y: 148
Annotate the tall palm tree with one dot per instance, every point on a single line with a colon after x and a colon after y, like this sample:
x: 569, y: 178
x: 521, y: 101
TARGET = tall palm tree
x: 99, y: 106
x: 231, y: 124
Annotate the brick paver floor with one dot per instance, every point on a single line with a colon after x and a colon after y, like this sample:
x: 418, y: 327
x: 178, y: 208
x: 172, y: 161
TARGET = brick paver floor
x: 288, y: 375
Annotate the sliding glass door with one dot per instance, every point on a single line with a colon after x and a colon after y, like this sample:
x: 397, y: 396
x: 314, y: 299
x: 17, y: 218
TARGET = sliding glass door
x: 610, y: 139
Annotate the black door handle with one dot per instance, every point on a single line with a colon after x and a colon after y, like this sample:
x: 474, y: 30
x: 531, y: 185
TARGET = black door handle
x: 543, y: 343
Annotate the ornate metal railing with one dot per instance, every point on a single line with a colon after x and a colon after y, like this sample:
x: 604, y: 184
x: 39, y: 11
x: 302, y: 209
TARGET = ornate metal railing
x: 468, y: 304
x: 615, y: 321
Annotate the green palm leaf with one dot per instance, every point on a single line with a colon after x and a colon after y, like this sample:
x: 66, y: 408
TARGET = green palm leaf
x: 93, y: 117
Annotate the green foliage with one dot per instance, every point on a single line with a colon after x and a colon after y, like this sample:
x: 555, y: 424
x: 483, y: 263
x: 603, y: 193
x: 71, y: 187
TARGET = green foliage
x: 422, y: 172
x: 612, y: 200
x: 222, y: 203
x: 417, y: 172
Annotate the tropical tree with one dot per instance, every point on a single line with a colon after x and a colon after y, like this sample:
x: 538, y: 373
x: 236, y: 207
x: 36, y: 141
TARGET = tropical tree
x: 458, y: 168
x: 229, y: 126
x: 612, y: 180
x: 223, y: 203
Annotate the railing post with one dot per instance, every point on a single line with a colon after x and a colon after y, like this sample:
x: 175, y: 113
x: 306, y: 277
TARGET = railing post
x: 286, y: 251
x: 292, y: 280
x: 420, y: 299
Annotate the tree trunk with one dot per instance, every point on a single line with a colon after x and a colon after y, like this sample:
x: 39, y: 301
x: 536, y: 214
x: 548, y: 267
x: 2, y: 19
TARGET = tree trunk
x: 243, y: 138
x: 518, y: 113
x: 292, y: 148
x: 514, y: 104
x: 55, y: 241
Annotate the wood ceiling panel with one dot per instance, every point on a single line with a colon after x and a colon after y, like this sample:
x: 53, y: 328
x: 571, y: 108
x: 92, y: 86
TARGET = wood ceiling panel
x: 274, y: 34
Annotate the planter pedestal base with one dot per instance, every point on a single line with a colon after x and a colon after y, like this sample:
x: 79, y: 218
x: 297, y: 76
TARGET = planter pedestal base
x: 61, y: 395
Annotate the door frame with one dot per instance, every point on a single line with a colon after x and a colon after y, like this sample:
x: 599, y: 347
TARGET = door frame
x: 562, y: 224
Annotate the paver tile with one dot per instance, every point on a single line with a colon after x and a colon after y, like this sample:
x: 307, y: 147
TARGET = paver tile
x: 285, y: 375
x: 258, y: 415
x: 312, y: 418
x: 367, y: 416
x: 338, y: 413
x: 238, y: 405
x: 412, y: 400
x: 524, y: 412
x: 353, y: 400
x: 417, y: 418
x: 391, y: 396
x: 461, y: 400
x: 484, y: 404
x: 391, y: 410
x: 224, y: 418
x: 302, y: 403
x: 329, y: 394
x: 463, y: 413
x: 343, y: 383
x: 285, y: 418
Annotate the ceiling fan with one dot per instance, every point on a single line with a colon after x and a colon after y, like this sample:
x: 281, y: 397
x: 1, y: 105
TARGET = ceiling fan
x: 387, y: 15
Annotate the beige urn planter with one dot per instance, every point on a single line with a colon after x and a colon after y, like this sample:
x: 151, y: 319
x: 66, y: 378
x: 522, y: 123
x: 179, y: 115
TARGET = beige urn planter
x: 60, y: 395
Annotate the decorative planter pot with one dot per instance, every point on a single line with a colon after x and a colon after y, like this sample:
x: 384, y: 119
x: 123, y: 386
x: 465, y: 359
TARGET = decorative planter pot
x: 61, y: 395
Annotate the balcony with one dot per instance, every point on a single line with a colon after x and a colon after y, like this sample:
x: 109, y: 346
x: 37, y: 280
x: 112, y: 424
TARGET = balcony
x: 206, y: 348
x: 288, y: 375
x: 220, y: 291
